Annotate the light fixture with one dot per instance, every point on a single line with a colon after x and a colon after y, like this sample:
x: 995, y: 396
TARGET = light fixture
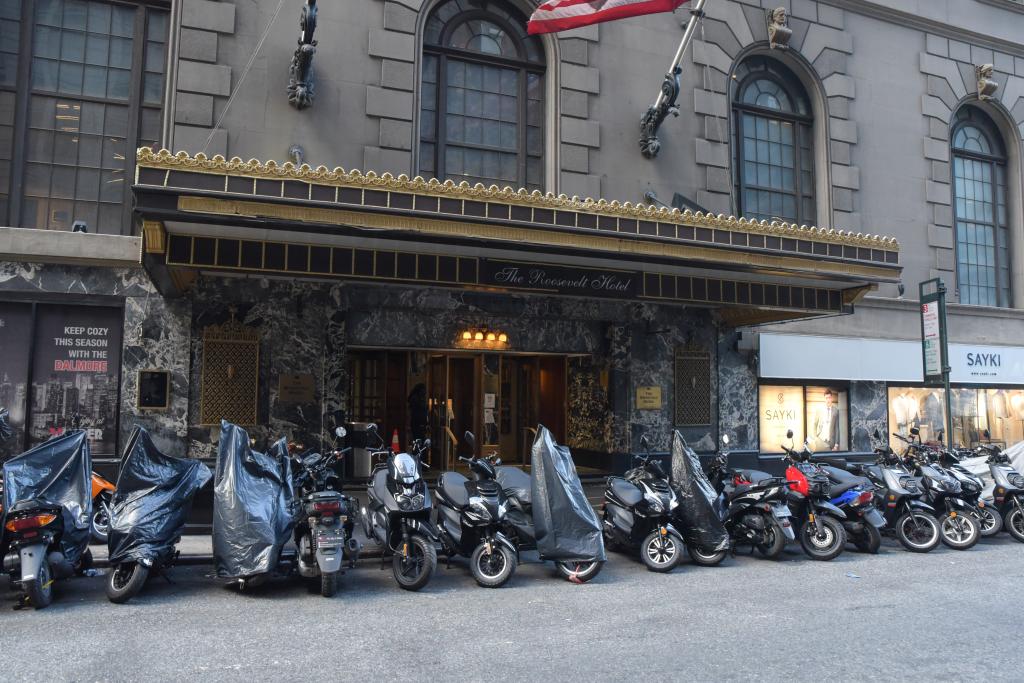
x: 467, y: 335
x: 491, y: 337
x: 779, y: 32
x: 479, y: 336
x: 503, y: 338
x: 482, y: 338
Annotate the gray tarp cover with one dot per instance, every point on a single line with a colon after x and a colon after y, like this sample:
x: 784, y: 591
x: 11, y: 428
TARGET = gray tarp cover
x: 700, y: 525
x: 253, y: 502
x: 56, y: 473
x: 567, y: 527
x: 152, y: 501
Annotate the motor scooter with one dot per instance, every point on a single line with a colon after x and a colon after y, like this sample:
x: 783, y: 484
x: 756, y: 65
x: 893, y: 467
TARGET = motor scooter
x: 819, y: 522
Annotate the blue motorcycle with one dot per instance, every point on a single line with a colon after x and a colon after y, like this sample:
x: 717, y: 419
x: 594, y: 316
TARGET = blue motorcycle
x: 856, y: 497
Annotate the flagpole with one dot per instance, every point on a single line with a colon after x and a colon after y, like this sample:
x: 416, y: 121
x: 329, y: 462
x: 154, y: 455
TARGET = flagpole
x: 665, y: 103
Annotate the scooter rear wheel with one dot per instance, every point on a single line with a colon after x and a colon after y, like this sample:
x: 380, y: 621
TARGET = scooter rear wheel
x: 40, y: 589
x: 706, y: 559
x: 661, y: 552
x: 869, y: 540
x: 990, y: 522
x: 774, y: 541
x: 329, y: 584
x: 414, y: 569
x: 125, y: 581
x: 579, y: 572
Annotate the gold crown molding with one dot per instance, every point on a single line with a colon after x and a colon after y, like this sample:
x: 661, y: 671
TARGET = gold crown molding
x: 254, y: 168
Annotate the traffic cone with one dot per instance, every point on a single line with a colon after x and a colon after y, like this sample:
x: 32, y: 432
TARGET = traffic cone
x: 395, y: 446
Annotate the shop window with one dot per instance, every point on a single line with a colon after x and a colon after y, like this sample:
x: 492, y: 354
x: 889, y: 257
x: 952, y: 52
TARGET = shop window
x: 980, y: 206
x: 1004, y: 415
x: 817, y: 414
x: 1000, y: 412
x: 94, y: 86
x: 482, y: 111
x: 773, y: 143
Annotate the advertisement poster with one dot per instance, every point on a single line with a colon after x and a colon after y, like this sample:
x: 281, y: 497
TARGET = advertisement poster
x: 75, y: 374
x: 826, y: 418
x: 15, y: 342
x: 782, y: 409
x: 931, y: 339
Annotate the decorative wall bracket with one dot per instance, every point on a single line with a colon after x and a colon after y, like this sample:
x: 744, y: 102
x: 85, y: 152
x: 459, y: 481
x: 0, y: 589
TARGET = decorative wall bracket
x: 986, y: 86
x: 300, y: 72
x: 779, y: 32
x: 665, y: 103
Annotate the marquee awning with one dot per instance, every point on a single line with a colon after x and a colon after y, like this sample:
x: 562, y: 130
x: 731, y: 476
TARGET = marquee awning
x: 216, y: 215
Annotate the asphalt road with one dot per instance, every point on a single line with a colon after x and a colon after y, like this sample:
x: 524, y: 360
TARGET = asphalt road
x: 896, y: 616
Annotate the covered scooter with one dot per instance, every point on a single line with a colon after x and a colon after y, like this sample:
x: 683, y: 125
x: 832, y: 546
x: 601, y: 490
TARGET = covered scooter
x: 148, y: 512
x: 253, y: 508
x: 48, y: 503
x: 549, y: 512
x: 695, y: 517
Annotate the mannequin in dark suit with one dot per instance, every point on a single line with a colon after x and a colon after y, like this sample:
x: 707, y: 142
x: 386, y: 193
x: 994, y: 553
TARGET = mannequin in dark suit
x: 826, y: 423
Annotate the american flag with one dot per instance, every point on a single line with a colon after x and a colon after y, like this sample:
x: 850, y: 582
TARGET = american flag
x: 562, y: 15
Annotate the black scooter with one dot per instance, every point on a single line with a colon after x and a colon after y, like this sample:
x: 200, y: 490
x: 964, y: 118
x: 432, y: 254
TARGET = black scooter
x: 752, y: 505
x: 958, y: 525
x: 470, y: 519
x: 323, y: 532
x: 637, y: 512
x: 397, y: 514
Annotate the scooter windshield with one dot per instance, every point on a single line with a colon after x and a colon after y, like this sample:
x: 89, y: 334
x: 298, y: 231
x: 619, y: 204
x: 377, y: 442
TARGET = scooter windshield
x: 406, y: 469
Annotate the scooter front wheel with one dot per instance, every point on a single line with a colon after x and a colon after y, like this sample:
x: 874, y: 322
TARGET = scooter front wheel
x: 706, y: 559
x: 414, y: 564
x: 823, y: 544
x: 579, y: 572
x: 661, y: 552
x: 960, y: 531
x: 125, y: 581
x: 869, y: 540
x: 990, y: 521
x: 1015, y: 523
x: 40, y: 589
x: 492, y: 568
x: 918, y: 532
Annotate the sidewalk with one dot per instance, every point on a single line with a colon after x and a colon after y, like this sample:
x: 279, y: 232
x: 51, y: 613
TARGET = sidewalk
x: 197, y: 549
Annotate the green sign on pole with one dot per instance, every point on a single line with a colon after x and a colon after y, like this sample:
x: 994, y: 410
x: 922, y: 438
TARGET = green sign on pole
x: 934, y: 344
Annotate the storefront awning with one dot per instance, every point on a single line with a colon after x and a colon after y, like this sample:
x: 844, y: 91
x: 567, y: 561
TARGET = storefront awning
x: 201, y: 214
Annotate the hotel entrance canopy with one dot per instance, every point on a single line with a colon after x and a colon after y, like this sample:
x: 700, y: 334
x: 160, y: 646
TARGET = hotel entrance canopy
x: 201, y: 215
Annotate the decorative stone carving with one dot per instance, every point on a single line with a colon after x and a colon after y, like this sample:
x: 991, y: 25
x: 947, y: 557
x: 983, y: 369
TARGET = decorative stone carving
x: 300, y: 73
x: 986, y: 86
x: 779, y: 32
x: 656, y: 113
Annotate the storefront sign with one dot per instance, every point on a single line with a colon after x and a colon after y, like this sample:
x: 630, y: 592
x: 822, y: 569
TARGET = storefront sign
x: 295, y: 388
x: 560, y: 279
x: 648, y: 398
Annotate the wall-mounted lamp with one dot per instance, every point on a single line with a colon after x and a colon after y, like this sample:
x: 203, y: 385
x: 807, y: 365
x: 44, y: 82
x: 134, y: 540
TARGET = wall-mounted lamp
x: 986, y: 86
x: 779, y: 32
x: 483, y: 339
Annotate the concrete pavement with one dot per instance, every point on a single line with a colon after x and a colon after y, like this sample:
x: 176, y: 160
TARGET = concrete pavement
x: 895, y: 616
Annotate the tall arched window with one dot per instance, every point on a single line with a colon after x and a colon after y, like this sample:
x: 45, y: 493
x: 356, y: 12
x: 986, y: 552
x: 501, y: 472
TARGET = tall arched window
x: 982, y: 235
x: 482, y: 112
x: 773, y: 155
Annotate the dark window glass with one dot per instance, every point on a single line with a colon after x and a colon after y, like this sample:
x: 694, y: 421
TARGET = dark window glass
x: 774, y: 165
x: 482, y: 111
x: 980, y: 206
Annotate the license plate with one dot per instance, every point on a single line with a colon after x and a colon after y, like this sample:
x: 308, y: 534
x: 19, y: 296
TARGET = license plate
x: 781, y: 511
x: 329, y: 539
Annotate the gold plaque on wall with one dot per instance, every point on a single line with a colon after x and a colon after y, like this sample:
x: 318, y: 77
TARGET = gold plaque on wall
x: 231, y: 369
x: 648, y: 398
x: 295, y: 388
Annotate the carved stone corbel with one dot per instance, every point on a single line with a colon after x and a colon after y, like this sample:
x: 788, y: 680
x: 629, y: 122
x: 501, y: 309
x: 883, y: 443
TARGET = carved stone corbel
x: 986, y: 86
x: 779, y: 32
x: 300, y: 72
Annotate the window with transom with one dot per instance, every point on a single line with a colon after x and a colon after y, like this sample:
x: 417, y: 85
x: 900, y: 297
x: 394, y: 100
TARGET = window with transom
x: 482, y: 111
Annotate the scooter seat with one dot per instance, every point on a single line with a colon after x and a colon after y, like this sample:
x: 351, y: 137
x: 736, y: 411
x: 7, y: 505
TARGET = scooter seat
x: 515, y: 483
x: 629, y: 493
x: 754, y: 476
x: 453, y: 486
x: 843, y: 481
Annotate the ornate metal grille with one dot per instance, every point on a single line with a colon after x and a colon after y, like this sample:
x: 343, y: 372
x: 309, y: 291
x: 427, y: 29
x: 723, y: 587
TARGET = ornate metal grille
x: 693, y: 388
x: 231, y: 368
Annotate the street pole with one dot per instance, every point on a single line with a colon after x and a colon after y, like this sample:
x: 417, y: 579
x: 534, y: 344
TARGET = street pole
x: 935, y: 345
x: 665, y: 103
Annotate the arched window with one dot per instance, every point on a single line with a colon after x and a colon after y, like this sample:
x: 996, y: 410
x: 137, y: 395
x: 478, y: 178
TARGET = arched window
x: 979, y: 176
x: 773, y: 155
x: 482, y: 112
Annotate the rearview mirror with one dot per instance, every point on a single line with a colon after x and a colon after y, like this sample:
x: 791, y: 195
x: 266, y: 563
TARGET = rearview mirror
x: 372, y: 427
x: 340, y: 432
x: 789, y: 433
x: 644, y: 444
x: 877, y: 435
x: 987, y: 435
x: 471, y: 440
x: 914, y: 431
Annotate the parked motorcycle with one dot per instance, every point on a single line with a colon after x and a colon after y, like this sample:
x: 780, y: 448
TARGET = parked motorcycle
x: 957, y: 521
x: 819, y: 522
x: 548, y: 511
x: 397, y: 514
x: 638, y: 509
x: 471, y: 519
x: 753, y: 506
x: 1008, y: 490
x: 990, y: 522
x: 323, y: 532
x: 47, y: 503
x: 148, y: 513
x: 855, y: 496
x: 696, y: 514
x: 899, y: 497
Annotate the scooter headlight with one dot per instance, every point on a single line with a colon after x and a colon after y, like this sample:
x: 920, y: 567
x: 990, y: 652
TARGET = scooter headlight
x: 1016, y: 480
x: 910, y: 484
x: 653, y: 502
